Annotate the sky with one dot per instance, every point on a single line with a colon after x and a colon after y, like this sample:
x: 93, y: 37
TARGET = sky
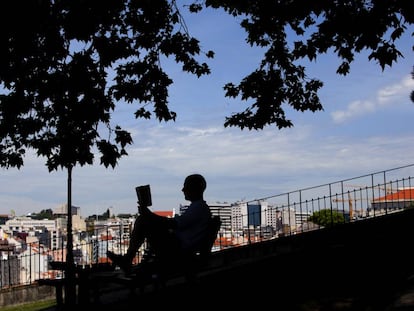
x: 366, y: 126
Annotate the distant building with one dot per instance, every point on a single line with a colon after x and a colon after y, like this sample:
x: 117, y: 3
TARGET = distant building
x: 403, y: 198
x: 254, y: 215
x: 62, y: 210
x: 168, y: 214
x: 78, y: 223
x: 25, y: 224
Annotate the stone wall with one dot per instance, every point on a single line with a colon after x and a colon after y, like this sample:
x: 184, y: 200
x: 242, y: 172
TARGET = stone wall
x: 25, y: 294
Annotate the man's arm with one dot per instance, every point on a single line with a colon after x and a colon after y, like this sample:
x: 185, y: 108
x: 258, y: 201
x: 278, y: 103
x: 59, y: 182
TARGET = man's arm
x: 143, y: 209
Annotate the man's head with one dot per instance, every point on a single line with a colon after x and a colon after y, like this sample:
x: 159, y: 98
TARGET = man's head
x: 194, y: 187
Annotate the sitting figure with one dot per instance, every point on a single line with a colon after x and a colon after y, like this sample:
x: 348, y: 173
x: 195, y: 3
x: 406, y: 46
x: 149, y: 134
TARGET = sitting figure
x: 170, y: 238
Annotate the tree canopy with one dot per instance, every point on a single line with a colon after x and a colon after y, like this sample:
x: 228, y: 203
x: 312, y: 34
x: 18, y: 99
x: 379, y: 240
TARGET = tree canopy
x: 44, y: 214
x: 327, y: 218
x: 57, y: 93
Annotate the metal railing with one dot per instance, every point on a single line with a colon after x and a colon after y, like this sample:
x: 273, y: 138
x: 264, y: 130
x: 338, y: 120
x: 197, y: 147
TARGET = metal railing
x: 353, y: 199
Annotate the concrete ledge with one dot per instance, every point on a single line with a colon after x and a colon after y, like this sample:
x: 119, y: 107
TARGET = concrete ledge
x: 25, y: 294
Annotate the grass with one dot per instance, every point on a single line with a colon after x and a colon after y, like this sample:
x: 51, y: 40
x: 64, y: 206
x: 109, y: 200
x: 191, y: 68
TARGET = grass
x: 33, y: 306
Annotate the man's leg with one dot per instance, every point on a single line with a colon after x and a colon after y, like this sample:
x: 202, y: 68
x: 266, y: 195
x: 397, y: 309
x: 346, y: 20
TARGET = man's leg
x: 153, y: 228
x: 137, y: 237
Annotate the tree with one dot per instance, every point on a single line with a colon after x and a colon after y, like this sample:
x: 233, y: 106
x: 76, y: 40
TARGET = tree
x: 57, y: 97
x: 57, y: 59
x: 342, y: 27
x: 412, y: 92
x: 327, y: 218
x: 44, y: 214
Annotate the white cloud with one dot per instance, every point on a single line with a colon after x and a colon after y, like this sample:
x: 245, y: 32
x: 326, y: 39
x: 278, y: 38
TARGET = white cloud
x: 394, y: 94
x: 355, y: 109
x: 237, y: 164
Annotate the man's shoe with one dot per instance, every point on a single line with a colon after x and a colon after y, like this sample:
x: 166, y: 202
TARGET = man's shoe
x: 120, y: 261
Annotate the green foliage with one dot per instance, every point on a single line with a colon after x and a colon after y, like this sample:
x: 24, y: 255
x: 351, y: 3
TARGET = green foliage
x: 44, y: 214
x: 412, y: 93
x: 56, y: 95
x: 345, y: 28
x: 55, y: 58
x: 327, y: 218
x: 126, y: 216
x: 103, y: 216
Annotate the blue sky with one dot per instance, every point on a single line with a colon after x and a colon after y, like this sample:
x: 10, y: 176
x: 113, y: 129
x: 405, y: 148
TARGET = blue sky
x: 366, y: 126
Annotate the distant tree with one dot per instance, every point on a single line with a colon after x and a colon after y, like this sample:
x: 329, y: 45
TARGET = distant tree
x: 108, y: 214
x: 327, y: 218
x: 126, y: 216
x: 91, y: 217
x: 44, y: 214
x: 104, y: 216
x: 90, y: 225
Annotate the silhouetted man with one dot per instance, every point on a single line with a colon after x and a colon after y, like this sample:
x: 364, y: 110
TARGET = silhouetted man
x: 170, y: 237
